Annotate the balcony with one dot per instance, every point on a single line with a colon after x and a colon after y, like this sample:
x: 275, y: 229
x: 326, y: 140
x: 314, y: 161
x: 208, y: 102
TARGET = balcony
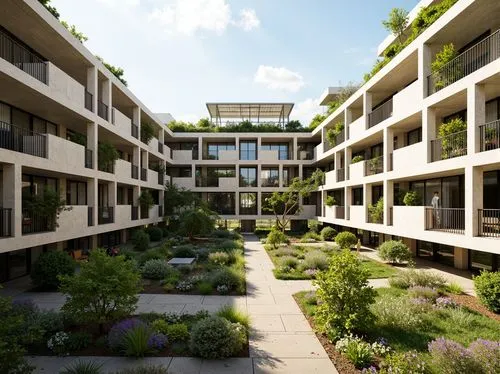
x: 144, y: 212
x: 21, y: 57
x: 105, y: 215
x: 409, y: 158
x: 122, y: 169
x: 88, y: 159
x: 90, y: 216
x: 451, y: 220
x: 488, y: 223
x: 340, y: 175
x: 21, y: 140
x: 122, y: 122
x: 268, y: 155
x: 34, y: 223
x: 357, y: 171
x: 183, y: 182
x: 357, y: 128
x: 339, y: 212
x: 102, y: 110
x: 476, y: 57
x: 227, y: 155
x: 144, y: 174
x: 182, y: 155
x: 207, y: 182
x: 489, y: 136
x: 161, y: 178
x: 408, y: 100
x: 374, y: 166
x: 449, y: 146
x: 5, y: 222
x: 89, y: 101
x: 357, y: 214
x: 134, y: 131
x: 152, y: 176
x: 380, y: 114
x: 402, y: 214
x: 135, y: 212
x: 304, y: 155
x: 135, y: 172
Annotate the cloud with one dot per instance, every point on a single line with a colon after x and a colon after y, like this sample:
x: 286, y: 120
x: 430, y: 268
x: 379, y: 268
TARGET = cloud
x: 248, y: 20
x: 278, y: 78
x: 305, y: 110
x: 121, y: 3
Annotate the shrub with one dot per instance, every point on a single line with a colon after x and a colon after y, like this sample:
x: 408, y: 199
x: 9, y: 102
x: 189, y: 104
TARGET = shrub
x: 359, y: 353
x: 49, y: 321
x: 155, y: 233
x: 184, y: 286
x: 135, y: 341
x: 314, y: 226
x: 285, y: 251
x: 450, y: 357
x: 376, y: 211
x: 144, y: 369
x: 140, y: 240
x: 118, y: 331
x: 394, y: 251
x: 486, y: 353
x: 315, y: 259
x: 213, y: 338
x: 219, y: 258
x: 346, y: 239
x: 194, y: 222
x: 454, y: 288
x: 205, y: 288
x: 225, y: 277
x: 445, y: 302
x: 423, y: 292
x: 397, y: 312
x: 184, y: 251
x: 328, y: 233
x: 288, y: 261
x: 411, y: 198
x: 177, y: 332
x: 78, y: 341
x: 344, y: 295
x: 233, y: 315
x: 330, y: 201
x: 156, y: 269
x: 153, y: 254
x: 49, y: 266
x: 276, y: 237
x: 83, y: 367
x: 357, y: 159
x: 403, y: 362
x: 160, y: 326
x: 58, y: 343
x: 411, y: 278
x: 310, y: 236
x: 487, y: 286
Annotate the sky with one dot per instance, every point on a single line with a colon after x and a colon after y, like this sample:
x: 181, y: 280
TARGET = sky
x: 180, y: 54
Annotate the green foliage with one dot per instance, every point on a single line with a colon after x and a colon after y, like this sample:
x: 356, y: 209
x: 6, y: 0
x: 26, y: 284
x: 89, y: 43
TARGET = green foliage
x: 135, y: 341
x: 330, y: 201
x: 344, y: 93
x: 344, y: 295
x: 106, y: 156
x: 144, y: 369
x: 214, y: 338
x: 177, y: 332
x: 452, y: 127
x: 332, y: 133
x: 47, y: 205
x: 197, y: 221
x: 146, y: 199
x: 346, y: 239
x: 219, y: 258
x: 359, y: 353
x: 316, y: 121
x: 205, y: 288
x: 276, y: 237
x: 293, y: 126
x: 204, y: 125
x: 443, y: 57
x: 376, y: 211
x: 422, y: 278
x: 155, y: 233
x: 443, y: 78
x: 227, y: 277
x: 397, y: 312
x: 328, y: 233
x: 288, y: 261
x: 49, y: 266
x: 411, y: 198
x: 156, y: 269
x: 115, y: 70
x: 234, y: 315
x: 394, y: 251
x: 140, y: 240
x: 50, y: 8
x: 403, y: 362
x: 185, y: 251
x: 357, y: 159
x: 397, y: 22
x: 78, y: 340
x: 315, y: 259
x: 454, y: 288
x: 487, y: 286
x: 105, y: 289
x: 453, y: 146
x: 83, y: 367
x: 310, y: 236
x: 147, y: 132
x: 80, y: 36
x: 78, y: 138
x: 178, y: 199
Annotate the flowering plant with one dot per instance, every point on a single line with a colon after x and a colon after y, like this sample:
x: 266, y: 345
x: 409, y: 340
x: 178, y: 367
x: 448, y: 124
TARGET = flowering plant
x: 184, y: 286
x: 223, y: 289
x: 157, y: 341
x: 57, y: 343
x: 119, y: 330
x: 445, y: 302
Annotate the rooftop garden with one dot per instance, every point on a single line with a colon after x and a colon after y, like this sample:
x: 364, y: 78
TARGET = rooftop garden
x: 204, y: 125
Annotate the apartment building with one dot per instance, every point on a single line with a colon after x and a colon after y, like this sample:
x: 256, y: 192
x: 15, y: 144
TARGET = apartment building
x: 392, y: 125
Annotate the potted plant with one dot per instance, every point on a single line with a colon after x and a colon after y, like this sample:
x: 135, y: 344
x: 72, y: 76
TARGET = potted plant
x: 333, y: 133
x: 376, y: 212
x: 330, y: 201
x: 107, y: 156
x: 411, y: 198
x: 442, y: 77
x: 147, y: 132
x: 453, y: 138
x: 46, y: 206
x: 357, y: 159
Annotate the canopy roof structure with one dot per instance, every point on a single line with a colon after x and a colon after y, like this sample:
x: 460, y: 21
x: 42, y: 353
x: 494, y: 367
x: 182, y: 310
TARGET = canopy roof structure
x: 254, y: 112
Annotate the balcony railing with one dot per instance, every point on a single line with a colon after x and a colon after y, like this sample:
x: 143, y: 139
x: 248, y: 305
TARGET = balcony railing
x: 449, y: 146
x: 135, y: 213
x: 144, y: 174
x: 391, y: 216
x: 270, y: 182
x: 90, y: 216
x: 135, y: 172
x: 161, y: 178
x: 207, y: 182
x: 89, y: 101
x: 21, y: 57
x: 391, y: 161
x: 340, y: 175
x: 339, y: 212
x: 490, y: 136
x: 144, y: 212
x: 380, y: 114
x: 33, y: 223
x: 102, y: 110
x: 5, y: 222
x: 450, y: 220
x: 474, y: 58
x: 489, y: 223
x: 105, y: 214
x: 248, y: 211
x: 22, y: 140
x: 107, y: 168
x: 135, y: 131
x: 160, y: 147
x: 88, y: 158
x: 160, y: 211
x: 374, y: 166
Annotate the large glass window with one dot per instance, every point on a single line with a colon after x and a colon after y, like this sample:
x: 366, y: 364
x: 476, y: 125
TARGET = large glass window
x: 269, y: 177
x: 282, y: 149
x: 357, y: 196
x: 222, y: 202
x: 214, y: 148
x: 377, y: 193
x: 76, y: 193
x: 449, y: 189
x: 286, y: 177
x: 248, y: 203
x: 248, y: 150
x: 248, y: 177
x: 414, y: 136
x: 491, y: 186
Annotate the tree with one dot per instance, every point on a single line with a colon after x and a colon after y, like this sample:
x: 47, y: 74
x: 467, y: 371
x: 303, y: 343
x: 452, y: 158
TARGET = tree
x: 178, y: 198
x: 146, y: 200
x: 107, y: 155
x: 344, y: 93
x: 397, y: 22
x: 394, y: 251
x: 344, y: 295
x: 50, y: 8
x: 115, y: 70
x: 77, y: 34
x: 276, y: 237
x: 284, y: 204
x: 316, y: 121
x: 376, y: 212
x: 48, y: 205
x: 196, y: 221
x: 147, y: 132
x: 204, y: 123
x: 105, y: 289
x: 293, y: 126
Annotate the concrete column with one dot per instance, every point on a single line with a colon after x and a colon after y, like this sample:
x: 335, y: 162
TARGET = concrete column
x: 367, y: 106
x: 347, y: 122
x: 106, y: 96
x: 112, y: 194
x: 295, y: 148
x: 347, y: 202
x: 123, y: 236
x: 161, y: 137
x: 301, y: 171
x: 388, y: 148
x: 92, y: 141
x: 145, y: 159
x: 92, y: 85
x: 136, y: 117
x: 347, y: 162
x: 237, y: 203
x: 424, y: 67
x: 136, y: 156
x: 473, y: 198
x: 93, y: 243
x: 200, y: 148
x: 135, y: 195
x: 12, y: 195
x: 259, y: 203
x: 476, y: 116
x: 429, y: 129
x: 259, y: 170
x: 280, y: 174
x: 388, y: 200
x: 461, y: 258
x: 367, y: 198
x: 92, y: 195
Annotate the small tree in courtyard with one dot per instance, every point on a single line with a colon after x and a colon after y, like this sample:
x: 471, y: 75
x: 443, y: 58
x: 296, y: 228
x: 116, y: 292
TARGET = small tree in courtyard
x: 197, y: 221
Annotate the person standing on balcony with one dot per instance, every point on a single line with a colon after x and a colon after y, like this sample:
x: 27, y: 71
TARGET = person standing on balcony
x: 435, y: 208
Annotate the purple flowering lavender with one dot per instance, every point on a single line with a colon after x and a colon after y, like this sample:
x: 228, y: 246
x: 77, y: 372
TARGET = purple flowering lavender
x: 451, y: 357
x: 486, y: 353
x: 426, y: 292
x: 311, y: 272
x: 370, y: 370
x: 445, y: 302
x: 118, y: 331
x: 157, y: 341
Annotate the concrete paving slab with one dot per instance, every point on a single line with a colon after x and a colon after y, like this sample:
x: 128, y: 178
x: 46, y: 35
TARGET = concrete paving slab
x: 293, y: 366
x: 286, y: 346
x: 185, y: 365
x: 228, y: 366
x: 296, y: 323
x: 267, y: 323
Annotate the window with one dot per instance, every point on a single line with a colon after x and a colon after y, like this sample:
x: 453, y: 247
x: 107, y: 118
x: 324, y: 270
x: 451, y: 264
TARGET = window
x: 222, y: 202
x: 214, y: 148
x: 377, y: 193
x: 35, y: 185
x: 377, y: 150
x: 357, y: 196
x: 248, y: 150
x: 414, y: 136
x: 286, y: 177
x: 248, y: 203
x: 269, y: 177
x: 281, y: 148
x: 248, y: 177
x: 305, y: 151
x: 185, y: 172
x: 76, y: 193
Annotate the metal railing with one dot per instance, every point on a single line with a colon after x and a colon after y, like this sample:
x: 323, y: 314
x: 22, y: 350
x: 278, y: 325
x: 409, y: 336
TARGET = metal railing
x: 391, y: 216
x: 144, y: 174
x: 489, y: 136
x: 89, y: 101
x: 161, y: 178
x: 450, y: 220
x: 5, y: 222
x: 449, y: 146
x: 102, y: 110
x: 144, y: 212
x: 207, y: 182
x: 160, y: 147
x: 88, y: 158
x: 107, y: 168
x: 22, y: 140
x: 380, y: 114
x: 340, y: 175
x: 105, y: 214
x: 135, y: 212
x: 21, y: 57
x: 90, y: 216
x: 135, y: 131
x: 160, y: 211
x: 391, y: 161
x: 33, y: 223
x: 270, y: 182
x: 135, y: 172
x: 374, y: 166
x: 474, y: 58
x: 248, y: 211
x: 339, y: 212
x: 488, y: 222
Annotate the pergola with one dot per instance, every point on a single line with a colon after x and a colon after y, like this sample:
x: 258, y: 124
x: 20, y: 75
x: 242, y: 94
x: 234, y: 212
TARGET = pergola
x: 278, y: 113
